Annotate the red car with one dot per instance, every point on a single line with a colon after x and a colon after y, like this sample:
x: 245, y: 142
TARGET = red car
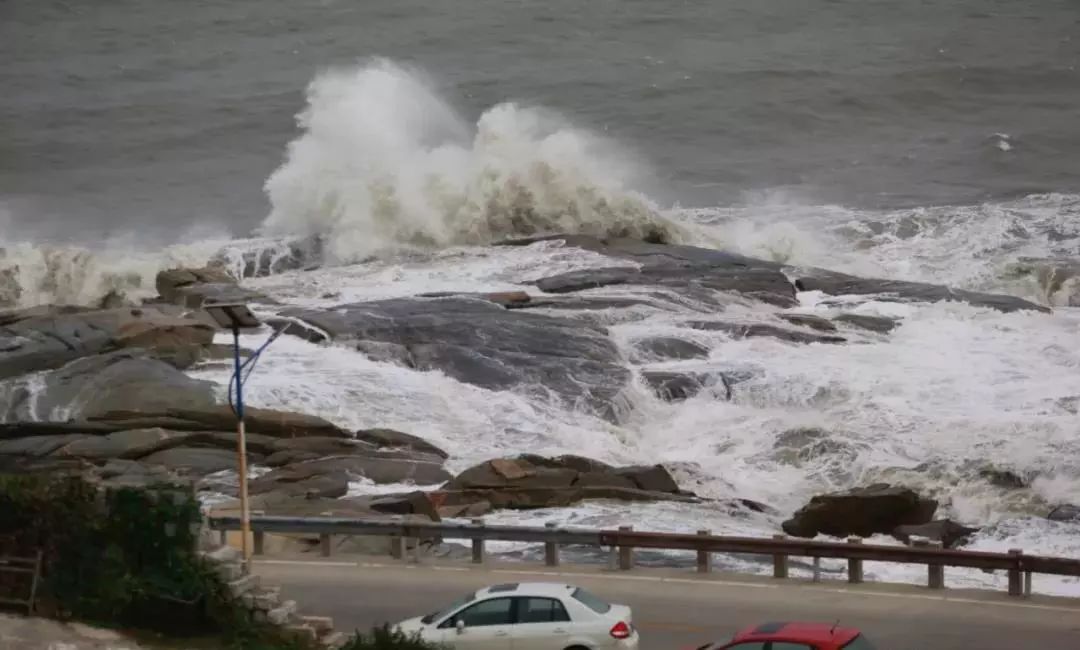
x: 795, y: 636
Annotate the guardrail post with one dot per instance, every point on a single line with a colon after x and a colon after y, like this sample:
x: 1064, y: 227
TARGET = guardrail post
x: 478, y: 544
x: 551, y: 549
x: 704, y: 558
x: 779, y: 561
x: 935, y: 572
x: 397, y: 547
x: 258, y: 537
x: 1015, y: 586
x: 223, y: 537
x: 817, y: 569
x: 854, y: 565
x: 626, y: 553
x: 324, y: 542
x: 1027, y: 583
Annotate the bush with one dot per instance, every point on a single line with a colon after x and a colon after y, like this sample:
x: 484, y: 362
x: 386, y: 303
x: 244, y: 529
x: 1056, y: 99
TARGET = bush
x: 386, y: 638
x: 125, y: 557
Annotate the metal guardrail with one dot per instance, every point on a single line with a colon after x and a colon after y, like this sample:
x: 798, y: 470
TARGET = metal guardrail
x: 623, y: 541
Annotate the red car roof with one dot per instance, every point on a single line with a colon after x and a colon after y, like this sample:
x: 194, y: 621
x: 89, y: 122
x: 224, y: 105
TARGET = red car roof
x: 818, y: 633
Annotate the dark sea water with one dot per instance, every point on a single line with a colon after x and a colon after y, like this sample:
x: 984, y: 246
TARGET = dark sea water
x: 148, y: 118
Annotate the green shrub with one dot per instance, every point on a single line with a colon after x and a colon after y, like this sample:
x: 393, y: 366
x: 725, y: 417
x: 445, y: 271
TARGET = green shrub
x: 385, y: 637
x: 125, y: 558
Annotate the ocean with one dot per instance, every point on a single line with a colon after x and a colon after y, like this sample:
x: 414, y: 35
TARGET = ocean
x: 924, y: 141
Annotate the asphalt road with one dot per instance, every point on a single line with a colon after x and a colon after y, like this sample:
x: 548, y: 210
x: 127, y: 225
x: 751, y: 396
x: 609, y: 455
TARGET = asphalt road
x: 675, y: 609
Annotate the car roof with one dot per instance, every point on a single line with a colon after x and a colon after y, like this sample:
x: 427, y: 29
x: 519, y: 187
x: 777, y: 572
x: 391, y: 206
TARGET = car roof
x: 796, y: 630
x: 550, y: 589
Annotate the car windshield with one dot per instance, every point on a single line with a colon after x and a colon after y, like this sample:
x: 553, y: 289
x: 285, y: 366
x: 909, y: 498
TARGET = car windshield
x: 591, y: 601
x: 859, y: 643
x: 449, y: 608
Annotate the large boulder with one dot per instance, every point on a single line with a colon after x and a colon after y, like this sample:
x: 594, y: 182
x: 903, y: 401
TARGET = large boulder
x: 878, y: 324
x: 91, y: 386
x: 47, y: 338
x: 264, y: 258
x: 535, y: 482
x: 865, y: 511
x: 194, y: 288
x: 481, y: 343
x: 219, y: 417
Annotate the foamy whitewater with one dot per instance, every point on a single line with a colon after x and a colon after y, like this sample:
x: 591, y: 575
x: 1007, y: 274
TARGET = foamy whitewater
x: 408, y: 195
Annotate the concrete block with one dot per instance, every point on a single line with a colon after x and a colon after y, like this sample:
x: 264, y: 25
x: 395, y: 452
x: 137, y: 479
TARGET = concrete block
x: 282, y: 614
x: 322, y: 624
x: 244, y: 584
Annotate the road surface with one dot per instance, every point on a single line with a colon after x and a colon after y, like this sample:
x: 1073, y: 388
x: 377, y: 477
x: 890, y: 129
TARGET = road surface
x: 675, y: 609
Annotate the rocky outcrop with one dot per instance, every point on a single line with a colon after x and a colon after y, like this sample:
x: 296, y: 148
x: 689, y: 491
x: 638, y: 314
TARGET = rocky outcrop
x: 90, y: 387
x: 946, y: 531
x: 836, y: 284
x: 480, y: 343
x: 194, y: 288
x: 1058, y: 278
x: 809, y: 320
x: 528, y: 482
x: 47, y: 338
x: 865, y: 511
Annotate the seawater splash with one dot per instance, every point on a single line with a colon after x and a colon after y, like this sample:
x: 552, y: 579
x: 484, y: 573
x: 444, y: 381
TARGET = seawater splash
x: 385, y: 162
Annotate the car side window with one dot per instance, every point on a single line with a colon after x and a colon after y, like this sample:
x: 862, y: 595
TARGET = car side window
x: 541, y: 610
x: 497, y: 611
x: 784, y: 645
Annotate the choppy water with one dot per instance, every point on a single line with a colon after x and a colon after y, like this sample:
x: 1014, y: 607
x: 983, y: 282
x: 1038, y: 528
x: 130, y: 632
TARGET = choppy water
x: 924, y: 141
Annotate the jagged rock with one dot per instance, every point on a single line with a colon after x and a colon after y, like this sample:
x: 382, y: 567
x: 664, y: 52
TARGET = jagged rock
x: 38, y: 446
x: 88, y: 387
x: 1065, y: 513
x: 48, y: 338
x: 662, y: 348
x: 195, y: 287
x: 506, y: 299
x: 865, y: 511
x: 480, y: 343
x: 877, y: 324
x: 390, y: 439
x: 946, y: 531
x: 749, y: 330
x: 836, y: 284
x: 679, y: 386
x: 808, y: 320
x: 535, y: 482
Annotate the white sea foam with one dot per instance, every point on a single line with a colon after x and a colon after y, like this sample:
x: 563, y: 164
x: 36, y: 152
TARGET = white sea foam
x: 384, y: 161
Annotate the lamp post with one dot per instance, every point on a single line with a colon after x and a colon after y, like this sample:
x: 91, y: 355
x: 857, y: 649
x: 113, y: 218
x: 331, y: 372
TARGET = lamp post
x: 237, y: 316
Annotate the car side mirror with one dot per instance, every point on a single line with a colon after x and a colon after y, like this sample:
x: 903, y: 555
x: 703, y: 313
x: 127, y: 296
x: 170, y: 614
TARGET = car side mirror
x: 460, y: 625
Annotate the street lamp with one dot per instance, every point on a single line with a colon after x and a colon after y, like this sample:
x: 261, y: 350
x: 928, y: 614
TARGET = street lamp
x: 237, y: 316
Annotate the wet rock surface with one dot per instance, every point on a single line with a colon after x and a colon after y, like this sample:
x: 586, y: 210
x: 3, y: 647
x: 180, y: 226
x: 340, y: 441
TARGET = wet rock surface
x: 946, y: 531
x: 865, y: 511
x: 840, y: 284
x: 481, y: 343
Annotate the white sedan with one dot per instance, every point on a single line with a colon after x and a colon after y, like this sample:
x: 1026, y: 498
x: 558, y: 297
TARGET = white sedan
x: 528, y: 616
